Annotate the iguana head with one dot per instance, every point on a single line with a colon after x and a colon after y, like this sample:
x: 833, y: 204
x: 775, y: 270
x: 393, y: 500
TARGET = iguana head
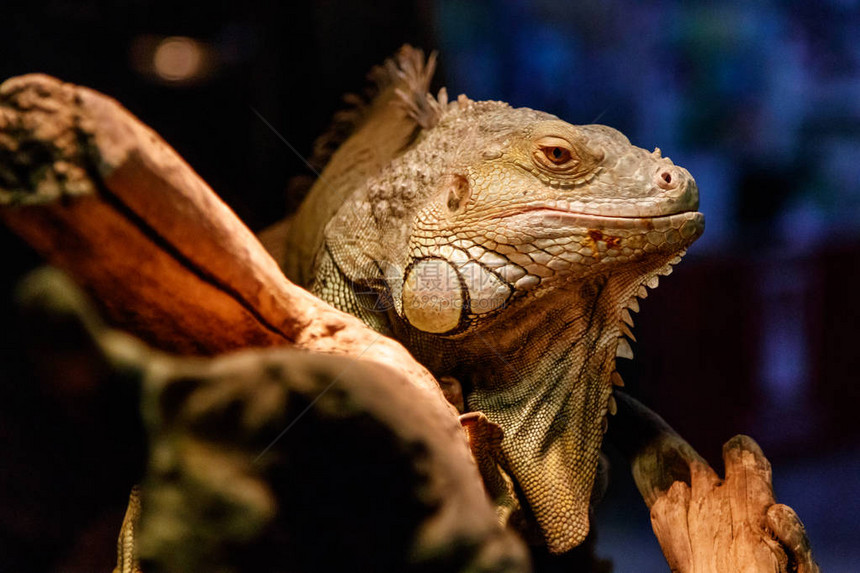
x: 532, y: 208
x: 512, y: 232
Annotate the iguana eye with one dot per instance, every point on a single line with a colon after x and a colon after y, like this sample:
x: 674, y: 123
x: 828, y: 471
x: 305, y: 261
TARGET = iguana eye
x: 557, y: 155
x: 554, y: 153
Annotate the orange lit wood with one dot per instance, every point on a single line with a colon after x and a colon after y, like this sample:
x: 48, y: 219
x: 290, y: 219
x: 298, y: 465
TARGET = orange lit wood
x: 103, y: 197
x: 733, y: 524
x: 721, y: 525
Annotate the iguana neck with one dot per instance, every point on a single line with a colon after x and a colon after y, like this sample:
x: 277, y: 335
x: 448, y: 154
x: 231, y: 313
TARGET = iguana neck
x: 568, y: 334
x: 546, y: 380
x: 548, y: 360
x: 568, y: 340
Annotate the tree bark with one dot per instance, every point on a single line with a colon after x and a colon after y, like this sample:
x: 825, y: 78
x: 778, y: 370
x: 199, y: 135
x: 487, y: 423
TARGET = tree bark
x: 706, y: 524
x: 103, y: 197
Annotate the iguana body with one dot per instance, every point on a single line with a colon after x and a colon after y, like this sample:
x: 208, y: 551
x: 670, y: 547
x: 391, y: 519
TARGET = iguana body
x: 503, y: 248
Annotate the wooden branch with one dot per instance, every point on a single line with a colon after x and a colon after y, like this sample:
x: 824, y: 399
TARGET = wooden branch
x: 103, y: 197
x: 730, y: 525
x: 705, y: 523
x: 252, y: 453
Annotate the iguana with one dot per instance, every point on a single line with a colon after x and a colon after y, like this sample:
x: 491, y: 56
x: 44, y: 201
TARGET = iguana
x: 504, y: 248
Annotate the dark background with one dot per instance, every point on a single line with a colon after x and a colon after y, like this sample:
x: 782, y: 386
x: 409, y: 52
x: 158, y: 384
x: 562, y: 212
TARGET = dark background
x: 754, y: 333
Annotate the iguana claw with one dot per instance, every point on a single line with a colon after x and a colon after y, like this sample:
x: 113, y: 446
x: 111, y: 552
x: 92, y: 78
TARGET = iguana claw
x: 485, y: 441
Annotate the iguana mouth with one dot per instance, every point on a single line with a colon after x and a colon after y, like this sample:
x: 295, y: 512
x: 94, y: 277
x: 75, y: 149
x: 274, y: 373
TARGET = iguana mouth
x: 633, y: 222
x: 674, y: 230
x: 672, y: 192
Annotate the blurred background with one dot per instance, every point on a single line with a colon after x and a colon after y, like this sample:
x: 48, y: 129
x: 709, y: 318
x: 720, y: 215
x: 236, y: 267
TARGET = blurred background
x: 754, y: 333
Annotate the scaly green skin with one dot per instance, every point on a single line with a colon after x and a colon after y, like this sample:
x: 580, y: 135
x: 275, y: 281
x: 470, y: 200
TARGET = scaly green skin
x: 502, y: 247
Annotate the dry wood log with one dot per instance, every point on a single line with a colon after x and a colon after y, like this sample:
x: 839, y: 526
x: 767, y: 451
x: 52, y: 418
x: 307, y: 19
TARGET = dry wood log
x: 272, y: 460
x: 103, y: 197
x: 706, y: 524
x: 730, y: 525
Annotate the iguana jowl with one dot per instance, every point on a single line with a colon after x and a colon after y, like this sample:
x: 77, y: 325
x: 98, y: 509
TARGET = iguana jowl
x: 502, y: 247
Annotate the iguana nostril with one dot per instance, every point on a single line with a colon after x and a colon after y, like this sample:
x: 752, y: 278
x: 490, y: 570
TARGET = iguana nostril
x: 667, y: 179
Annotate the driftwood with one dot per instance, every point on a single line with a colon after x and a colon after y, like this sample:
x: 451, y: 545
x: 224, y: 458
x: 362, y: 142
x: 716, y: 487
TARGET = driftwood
x: 730, y: 525
x: 704, y: 523
x: 104, y: 198
x: 101, y: 196
x: 281, y: 461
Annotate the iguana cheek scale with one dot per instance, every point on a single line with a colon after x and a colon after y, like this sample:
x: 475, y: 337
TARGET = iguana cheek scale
x: 503, y: 247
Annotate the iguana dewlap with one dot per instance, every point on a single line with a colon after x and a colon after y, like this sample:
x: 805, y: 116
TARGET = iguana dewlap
x: 503, y: 247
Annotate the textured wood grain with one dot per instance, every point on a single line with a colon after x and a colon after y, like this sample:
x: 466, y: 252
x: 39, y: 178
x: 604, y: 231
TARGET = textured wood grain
x: 733, y: 524
x: 706, y: 524
x: 103, y: 197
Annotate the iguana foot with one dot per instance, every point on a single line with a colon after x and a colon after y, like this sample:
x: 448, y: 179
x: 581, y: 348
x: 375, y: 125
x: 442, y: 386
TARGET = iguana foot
x: 485, y: 441
x: 453, y: 392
